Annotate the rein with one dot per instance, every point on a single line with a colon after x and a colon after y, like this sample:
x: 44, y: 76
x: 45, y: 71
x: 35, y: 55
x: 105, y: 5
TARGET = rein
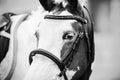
x: 15, y: 43
x: 65, y: 63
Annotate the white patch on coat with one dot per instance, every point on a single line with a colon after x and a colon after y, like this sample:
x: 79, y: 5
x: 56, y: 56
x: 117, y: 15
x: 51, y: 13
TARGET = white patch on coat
x: 70, y: 73
x: 78, y: 68
x: 26, y: 42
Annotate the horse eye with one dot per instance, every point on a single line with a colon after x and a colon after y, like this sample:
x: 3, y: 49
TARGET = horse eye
x: 68, y: 36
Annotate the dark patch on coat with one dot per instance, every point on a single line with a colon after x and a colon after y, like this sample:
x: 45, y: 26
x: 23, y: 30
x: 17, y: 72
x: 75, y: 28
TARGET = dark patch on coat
x: 80, y: 57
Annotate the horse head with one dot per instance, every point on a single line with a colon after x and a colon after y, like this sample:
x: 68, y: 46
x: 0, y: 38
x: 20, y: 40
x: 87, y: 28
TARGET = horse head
x: 65, y: 44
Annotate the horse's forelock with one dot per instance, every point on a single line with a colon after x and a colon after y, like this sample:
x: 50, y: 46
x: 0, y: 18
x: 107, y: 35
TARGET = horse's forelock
x: 82, y: 2
x: 52, y: 5
x: 72, y: 6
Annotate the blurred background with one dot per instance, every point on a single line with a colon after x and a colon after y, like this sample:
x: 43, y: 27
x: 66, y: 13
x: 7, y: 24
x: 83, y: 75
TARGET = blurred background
x: 106, y: 18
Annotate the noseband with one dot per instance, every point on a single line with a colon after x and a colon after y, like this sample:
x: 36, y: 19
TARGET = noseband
x: 65, y: 63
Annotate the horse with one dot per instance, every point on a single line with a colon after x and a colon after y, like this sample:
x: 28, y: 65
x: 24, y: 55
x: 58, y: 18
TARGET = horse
x: 54, y: 42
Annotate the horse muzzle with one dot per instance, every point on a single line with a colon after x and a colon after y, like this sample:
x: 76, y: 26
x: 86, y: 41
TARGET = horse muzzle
x: 50, y: 56
x: 47, y: 55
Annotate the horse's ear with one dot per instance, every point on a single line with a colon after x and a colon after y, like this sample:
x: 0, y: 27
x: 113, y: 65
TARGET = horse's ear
x: 48, y: 5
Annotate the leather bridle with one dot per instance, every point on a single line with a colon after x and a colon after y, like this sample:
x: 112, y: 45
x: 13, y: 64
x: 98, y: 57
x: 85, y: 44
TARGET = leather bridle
x: 65, y: 63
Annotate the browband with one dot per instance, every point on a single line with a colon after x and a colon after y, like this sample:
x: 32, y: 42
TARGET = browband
x: 66, y: 17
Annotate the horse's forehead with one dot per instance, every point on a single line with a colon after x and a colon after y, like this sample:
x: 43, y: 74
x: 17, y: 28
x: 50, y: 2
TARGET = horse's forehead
x: 57, y: 25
